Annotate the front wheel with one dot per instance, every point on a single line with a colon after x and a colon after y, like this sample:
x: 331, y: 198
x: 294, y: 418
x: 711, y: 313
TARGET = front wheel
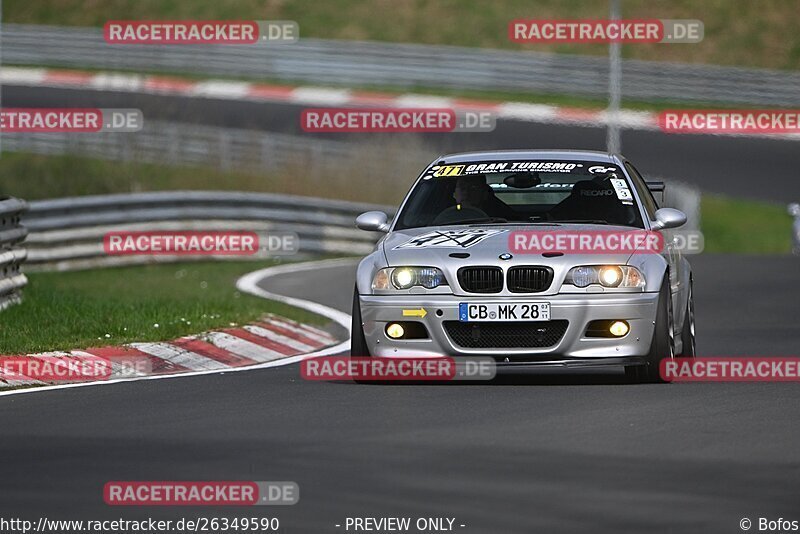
x: 688, y: 343
x: 358, y: 343
x: 663, y: 344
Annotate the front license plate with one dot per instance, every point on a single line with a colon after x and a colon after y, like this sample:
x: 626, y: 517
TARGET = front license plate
x: 528, y: 311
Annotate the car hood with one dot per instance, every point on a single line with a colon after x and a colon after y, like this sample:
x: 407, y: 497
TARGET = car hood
x: 483, y: 245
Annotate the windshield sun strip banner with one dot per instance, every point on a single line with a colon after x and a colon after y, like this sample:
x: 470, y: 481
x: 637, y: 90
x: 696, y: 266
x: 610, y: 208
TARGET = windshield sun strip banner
x: 491, y: 167
x: 494, y: 167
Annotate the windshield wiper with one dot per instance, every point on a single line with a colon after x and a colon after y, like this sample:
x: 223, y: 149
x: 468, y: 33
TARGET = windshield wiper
x: 581, y: 221
x: 482, y: 220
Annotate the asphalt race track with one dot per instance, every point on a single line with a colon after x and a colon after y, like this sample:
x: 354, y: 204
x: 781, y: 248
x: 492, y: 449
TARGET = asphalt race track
x: 537, y: 452
x: 740, y: 166
x: 533, y: 452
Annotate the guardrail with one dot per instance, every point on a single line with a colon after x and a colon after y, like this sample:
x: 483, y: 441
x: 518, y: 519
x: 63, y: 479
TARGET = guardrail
x: 406, y: 65
x: 12, y: 234
x: 67, y: 233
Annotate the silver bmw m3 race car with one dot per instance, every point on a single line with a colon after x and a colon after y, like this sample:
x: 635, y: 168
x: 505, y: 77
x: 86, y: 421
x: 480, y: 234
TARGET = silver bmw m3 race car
x: 535, y: 258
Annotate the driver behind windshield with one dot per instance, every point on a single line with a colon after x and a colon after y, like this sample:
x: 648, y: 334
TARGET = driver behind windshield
x: 473, y: 192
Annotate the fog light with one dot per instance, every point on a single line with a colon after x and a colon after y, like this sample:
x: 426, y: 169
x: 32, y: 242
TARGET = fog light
x: 618, y: 328
x: 395, y: 331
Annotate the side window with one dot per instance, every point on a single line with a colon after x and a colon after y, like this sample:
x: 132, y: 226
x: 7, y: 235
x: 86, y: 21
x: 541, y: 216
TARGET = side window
x: 645, y: 194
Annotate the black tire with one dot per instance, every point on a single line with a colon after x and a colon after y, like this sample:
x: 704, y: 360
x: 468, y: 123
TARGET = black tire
x: 689, y: 347
x: 358, y: 343
x: 663, y: 344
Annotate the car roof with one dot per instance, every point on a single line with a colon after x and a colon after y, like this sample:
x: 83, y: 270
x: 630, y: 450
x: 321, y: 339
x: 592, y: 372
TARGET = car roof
x: 510, y: 155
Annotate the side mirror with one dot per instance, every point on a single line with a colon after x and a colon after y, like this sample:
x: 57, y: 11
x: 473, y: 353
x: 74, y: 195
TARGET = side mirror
x: 373, y: 221
x: 668, y: 218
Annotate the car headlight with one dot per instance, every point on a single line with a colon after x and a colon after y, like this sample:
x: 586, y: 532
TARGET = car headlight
x: 408, y: 277
x: 605, y: 275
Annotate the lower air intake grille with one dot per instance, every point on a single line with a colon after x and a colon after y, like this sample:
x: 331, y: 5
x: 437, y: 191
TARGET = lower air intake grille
x: 511, y: 335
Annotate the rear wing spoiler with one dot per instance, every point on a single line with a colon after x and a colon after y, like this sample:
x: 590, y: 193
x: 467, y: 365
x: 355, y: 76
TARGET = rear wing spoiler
x: 657, y: 188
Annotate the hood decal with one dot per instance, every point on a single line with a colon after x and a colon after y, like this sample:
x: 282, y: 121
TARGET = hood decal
x: 449, y: 238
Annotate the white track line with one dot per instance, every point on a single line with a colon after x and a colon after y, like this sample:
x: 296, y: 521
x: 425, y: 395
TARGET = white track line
x: 248, y: 284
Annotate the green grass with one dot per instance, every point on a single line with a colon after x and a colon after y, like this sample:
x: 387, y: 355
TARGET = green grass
x: 764, y: 33
x: 93, y: 308
x: 745, y: 226
x: 33, y: 176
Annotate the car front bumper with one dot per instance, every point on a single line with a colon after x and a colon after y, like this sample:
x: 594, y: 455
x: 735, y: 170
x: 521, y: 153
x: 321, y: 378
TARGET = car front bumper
x: 571, y: 348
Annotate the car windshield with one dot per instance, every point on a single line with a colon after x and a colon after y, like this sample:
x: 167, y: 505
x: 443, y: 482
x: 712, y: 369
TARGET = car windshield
x: 529, y: 192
